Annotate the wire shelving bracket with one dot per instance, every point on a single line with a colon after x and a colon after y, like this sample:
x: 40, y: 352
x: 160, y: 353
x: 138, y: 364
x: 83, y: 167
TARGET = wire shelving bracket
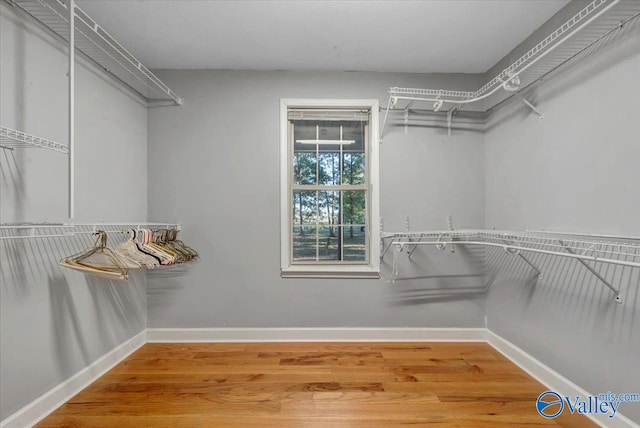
x: 524, y: 259
x: 530, y: 105
x: 96, y: 43
x: 618, y: 298
x: 10, y: 139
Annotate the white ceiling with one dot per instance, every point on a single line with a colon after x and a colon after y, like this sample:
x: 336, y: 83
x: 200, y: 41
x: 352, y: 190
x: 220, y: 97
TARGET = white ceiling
x: 449, y: 36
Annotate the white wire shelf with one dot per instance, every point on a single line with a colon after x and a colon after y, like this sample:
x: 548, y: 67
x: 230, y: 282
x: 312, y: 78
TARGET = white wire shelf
x: 586, y: 249
x: 48, y: 242
x: 593, y: 27
x: 12, y: 139
x: 94, y: 42
x: 57, y: 230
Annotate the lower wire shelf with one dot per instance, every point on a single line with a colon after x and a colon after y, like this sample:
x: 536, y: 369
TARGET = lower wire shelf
x: 586, y: 249
x: 159, y: 250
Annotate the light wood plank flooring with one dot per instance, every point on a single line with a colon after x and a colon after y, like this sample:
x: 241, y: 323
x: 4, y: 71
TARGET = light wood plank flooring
x: 311, y: 385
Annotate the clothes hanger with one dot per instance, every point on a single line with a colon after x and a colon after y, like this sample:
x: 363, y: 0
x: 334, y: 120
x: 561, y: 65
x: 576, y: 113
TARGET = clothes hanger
x: 164, y: 257
x: 172, y: 236
x: 140, y: 247
x: 184, y: 255
x: 155, y: 241
x: 101, y: 260
x: 130, y: 249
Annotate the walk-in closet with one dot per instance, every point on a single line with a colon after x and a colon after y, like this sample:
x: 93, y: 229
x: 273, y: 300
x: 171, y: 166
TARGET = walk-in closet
x: 316, y: 213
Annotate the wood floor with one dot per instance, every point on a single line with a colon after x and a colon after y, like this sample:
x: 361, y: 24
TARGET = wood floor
x: 311, y: 385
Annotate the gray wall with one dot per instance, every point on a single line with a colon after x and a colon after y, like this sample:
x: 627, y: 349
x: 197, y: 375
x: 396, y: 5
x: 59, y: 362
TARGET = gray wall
x: 54, y: 322
x: 213, y: 166
x: 575, y: 171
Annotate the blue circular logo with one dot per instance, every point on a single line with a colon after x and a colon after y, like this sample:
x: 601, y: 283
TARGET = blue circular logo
x: 547, y: 402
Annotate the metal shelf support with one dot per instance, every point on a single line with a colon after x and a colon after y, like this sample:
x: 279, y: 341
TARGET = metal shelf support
x: 618, y: 297
x: 71, y: 5
x: 531, y: 106
x: 406, y: 120
x: 526, y: 260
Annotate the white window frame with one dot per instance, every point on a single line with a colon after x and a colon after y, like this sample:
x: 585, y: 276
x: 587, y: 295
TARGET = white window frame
x: 328, y: 270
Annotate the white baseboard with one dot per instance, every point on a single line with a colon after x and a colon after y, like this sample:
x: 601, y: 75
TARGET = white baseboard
x: 38, y: 409
x: 552, y: 379
x: 315, y: 334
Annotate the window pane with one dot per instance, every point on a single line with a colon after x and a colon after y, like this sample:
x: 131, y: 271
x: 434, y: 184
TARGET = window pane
x: 353, y: 131
x: 329, y: 169
x: 354, y: 206
x: 328, y: 245
x: 354, y: 243
x: 311, y: 130
x: 353, y: 168
x: 304, y: 167
x: 304, y: 243
x: 304, y: 130
x: 329, y: 205
x: 305, y: 206
x: 329, y: 129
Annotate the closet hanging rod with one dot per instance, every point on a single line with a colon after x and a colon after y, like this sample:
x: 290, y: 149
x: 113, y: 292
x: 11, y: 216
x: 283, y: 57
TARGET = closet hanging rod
x: 143, y: 224
x: 556, y: 243
x: 520, y: 248
x: 70, y: 225
x: 528, y: 234
x: 51, y: 230
x: 38, y: 226
x: 54, y: 235
x: 593, y: 235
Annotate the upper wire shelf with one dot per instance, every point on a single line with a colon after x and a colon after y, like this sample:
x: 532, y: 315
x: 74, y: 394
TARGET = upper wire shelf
x: 10, y: 139
x: 588, y: 29
x: 93, y: 41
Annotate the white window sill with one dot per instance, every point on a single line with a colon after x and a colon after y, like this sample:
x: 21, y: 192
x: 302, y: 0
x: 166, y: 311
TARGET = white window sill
x: 315, y: 271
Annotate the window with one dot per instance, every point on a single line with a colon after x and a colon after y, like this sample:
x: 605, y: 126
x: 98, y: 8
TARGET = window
x: 329, y: 192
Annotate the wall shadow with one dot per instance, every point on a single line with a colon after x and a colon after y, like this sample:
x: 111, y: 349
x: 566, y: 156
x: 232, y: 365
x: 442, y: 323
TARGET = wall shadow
x: 428, y: 275
x: 66, y: 319
x: 568, y: 291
